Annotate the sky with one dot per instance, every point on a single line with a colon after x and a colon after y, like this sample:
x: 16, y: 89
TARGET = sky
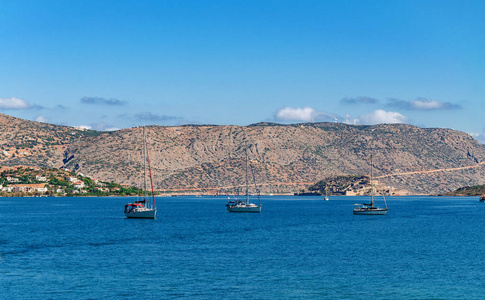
x: 108, y: 65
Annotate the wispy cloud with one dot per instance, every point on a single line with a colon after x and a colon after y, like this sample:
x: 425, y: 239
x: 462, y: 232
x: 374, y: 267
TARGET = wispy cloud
x: 102, y: 101
x: 16, y: 103
x: 421, y: 104
x: 148, y: 116
x: 60, y: 107
x: 480, y: 136
x: 381, y: 116
x: 359, y: 100
x: 100, y: 126
x: 42, y: 119
x: 306, y: 114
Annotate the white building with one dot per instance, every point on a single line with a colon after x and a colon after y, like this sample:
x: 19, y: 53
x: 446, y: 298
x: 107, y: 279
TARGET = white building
x: 40, y: 178
x: 29, y: 188
x: 12, y: 179
x: 72, y: 179
x: 79, y: 184
x: 8, y: 189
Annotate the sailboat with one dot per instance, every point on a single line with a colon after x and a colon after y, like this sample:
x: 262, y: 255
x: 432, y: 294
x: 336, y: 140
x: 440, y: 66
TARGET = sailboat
x: 369, y: 208
x: 245, y: 206
x: 326, y: 194
x: 142, y: 209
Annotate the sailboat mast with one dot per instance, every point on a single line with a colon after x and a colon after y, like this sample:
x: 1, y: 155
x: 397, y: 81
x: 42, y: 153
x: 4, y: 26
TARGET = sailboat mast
x: 144, y: 166
x: 247, y: 185
x: 151, y: 180
x: 258, y: 192
x: 372, y: 180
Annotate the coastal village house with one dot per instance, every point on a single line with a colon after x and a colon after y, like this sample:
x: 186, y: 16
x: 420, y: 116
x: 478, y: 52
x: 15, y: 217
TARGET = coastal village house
x: 97, y: 182
x: 79, y: 185
x: 72, y: 179
x: 12, y: 179
x: 27, y: 188
x: 40, y: 178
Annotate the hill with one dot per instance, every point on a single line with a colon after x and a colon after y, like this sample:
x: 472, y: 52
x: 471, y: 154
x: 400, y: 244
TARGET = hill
x: 476, y: 190
x: 285, y: 158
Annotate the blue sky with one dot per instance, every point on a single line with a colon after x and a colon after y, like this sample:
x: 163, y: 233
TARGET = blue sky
x: 117, y: 64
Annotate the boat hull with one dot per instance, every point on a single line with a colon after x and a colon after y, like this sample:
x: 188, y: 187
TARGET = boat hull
x: 141, y: 214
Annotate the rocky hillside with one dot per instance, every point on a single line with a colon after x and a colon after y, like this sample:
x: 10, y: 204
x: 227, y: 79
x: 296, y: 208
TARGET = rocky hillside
x: 476, y: 190
x: 284, y: 158
x: 37, y: 144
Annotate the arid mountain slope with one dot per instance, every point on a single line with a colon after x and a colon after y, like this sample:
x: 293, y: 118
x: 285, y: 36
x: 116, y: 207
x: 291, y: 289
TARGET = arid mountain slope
x: 35, y: 143
x: 284, y: 158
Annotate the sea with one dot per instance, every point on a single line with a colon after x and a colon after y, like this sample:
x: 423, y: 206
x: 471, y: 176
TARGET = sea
x: 296, y: 248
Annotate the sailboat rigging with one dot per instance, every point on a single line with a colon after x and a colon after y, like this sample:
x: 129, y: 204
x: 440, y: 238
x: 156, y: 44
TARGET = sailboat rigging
x: 246, y: 206
x: 369, y: 208
x: 143, y: 209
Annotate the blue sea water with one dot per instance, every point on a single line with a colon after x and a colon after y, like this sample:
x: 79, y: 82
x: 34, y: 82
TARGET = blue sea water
x: 297, y: 248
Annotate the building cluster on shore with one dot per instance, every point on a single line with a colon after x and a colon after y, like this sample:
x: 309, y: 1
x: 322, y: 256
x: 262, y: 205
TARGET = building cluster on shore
x: 27, y: 182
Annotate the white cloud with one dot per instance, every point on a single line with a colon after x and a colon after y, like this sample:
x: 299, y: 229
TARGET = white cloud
x: 13, y: 103
x: 480, y: 137
x: 350, y: 120
x: 42, y: 119
x: 381, y: 116
x: 101, y: 126
x: 306, y: 114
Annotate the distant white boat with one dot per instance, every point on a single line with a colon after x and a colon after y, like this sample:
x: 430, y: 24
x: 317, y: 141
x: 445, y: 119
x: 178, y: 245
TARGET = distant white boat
x: 326, y: 195
x: 245, y: 206
x: 369, y: 208
x: 143, y: 209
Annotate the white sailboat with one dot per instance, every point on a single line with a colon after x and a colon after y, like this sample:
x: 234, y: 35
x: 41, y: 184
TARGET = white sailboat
x: 369, y: 208
x: 143, y: 209
x: 245, y: 206
x: 326, y: 194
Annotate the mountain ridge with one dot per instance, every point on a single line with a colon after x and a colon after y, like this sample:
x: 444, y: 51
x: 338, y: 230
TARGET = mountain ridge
x: 285, y: 158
